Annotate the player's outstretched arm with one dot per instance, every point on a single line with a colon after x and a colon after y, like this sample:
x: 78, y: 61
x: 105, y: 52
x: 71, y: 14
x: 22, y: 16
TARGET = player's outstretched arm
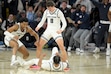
x: 40, y: 59
x: 33, y: 33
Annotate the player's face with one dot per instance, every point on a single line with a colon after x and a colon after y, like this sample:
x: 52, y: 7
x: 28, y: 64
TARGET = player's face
x: 25, y: 24
x: 83, y: 9
x: 50, y: 9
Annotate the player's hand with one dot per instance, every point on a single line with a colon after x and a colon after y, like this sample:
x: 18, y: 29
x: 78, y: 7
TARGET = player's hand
x: 79, y: 22
x: 59, y: 31
x: 16, y: 38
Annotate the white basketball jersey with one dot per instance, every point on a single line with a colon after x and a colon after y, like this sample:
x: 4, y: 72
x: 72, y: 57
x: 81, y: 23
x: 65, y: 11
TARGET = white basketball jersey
x: 19, y: 32
x: 53, y: 19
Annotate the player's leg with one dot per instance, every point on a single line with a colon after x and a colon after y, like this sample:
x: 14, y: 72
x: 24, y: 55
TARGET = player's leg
x: 108, y: 41
x: 108, y: 44
x: 43, y: 40
x: 14, y: 46
x: 59, y: 40
x: 22, y: 49
x: 60, y: 44
x: 41, y: 43
x: 22, y: 62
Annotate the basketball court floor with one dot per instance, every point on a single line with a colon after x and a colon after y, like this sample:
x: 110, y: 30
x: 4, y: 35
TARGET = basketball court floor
x: 87, y: 63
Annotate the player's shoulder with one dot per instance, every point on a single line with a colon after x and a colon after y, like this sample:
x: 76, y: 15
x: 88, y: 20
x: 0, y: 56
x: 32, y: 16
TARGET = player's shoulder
x: 59, y: 11
x: 16, y: 25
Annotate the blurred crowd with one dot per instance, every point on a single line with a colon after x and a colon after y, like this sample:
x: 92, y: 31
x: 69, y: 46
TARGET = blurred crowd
x: 83, y: 19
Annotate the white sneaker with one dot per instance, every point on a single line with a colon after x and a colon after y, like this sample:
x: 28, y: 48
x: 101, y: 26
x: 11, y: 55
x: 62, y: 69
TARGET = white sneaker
x: 96, y: 50
x: 14, y: 63
x: 78, y: 49
x: 13, y: 60
x: 20, y: 61
x: 82, y: 51
x: 108, y: 52
x: 69, y: 49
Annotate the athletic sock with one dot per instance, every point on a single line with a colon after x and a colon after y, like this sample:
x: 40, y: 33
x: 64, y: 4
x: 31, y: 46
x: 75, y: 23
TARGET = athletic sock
x: 13, y: 58
x: 108, y: 45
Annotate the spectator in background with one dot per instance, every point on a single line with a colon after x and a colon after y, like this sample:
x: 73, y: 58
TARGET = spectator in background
x: 87, y: 3
x: 13, y: 6
x: 30, y: 13
x: 8, y: 23
x: 103, y: 23
x: 21, y: 14
x: 82, y: 21
x: 71, y: 2
x: 74, y: 17
x: 66, y: 12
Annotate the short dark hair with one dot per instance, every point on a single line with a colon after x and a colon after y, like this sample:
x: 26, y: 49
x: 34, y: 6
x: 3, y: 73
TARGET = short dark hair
x: 64, y: 1
x: 83, y: 6
x: 56, y: 59
x: 50, y: 3
x: 23, y: 20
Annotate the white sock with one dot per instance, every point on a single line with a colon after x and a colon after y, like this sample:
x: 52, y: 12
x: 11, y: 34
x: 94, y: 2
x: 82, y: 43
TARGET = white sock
x: 108, y: 45
x: 69, y: 49
x: 13, y: 58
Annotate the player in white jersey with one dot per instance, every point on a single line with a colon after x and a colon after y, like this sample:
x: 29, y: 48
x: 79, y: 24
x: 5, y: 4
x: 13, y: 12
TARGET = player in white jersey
x: 14, y: 33
x: 55, y: 63
x: 54, y: 29
x: 108, y: 49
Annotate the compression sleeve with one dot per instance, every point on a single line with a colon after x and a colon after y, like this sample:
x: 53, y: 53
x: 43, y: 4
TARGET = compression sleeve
x: 43, y: 19
x: 63, y: 20
x: 8, y: 34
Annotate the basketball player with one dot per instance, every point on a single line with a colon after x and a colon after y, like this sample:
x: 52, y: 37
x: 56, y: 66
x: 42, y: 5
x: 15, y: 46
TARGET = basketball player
x: 54, y: 29
x: 55, y: 63
x: 108, y: 50
x: 12, y: 36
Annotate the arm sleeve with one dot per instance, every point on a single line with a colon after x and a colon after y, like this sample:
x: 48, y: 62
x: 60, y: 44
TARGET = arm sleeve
x: 43, y: 19
x: 64, y: 24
